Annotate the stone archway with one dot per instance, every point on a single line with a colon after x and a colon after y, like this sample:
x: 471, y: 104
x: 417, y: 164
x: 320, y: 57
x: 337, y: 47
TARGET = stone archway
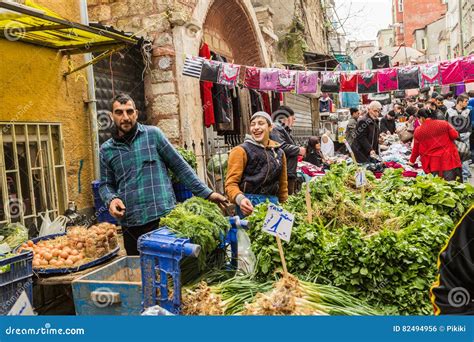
x: 236, y: 24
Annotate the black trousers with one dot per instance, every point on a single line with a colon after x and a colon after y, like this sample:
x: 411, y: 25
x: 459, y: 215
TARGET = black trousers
x: 450, y: 175
x: 131, y: 235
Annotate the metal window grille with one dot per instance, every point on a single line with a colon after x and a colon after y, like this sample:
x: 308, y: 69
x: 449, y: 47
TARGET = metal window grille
x: 32, y: 172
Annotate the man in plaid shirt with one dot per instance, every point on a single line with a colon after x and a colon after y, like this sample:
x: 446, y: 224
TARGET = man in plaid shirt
x: 134, y: 167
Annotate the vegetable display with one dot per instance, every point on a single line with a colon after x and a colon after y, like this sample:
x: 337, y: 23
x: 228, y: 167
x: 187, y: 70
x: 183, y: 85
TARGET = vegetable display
x: 383, y: 248
x: 79, y: 246
x: 199, y: 220
x: 13, y: 234
x: 243, y: 295
x: 189, y: 157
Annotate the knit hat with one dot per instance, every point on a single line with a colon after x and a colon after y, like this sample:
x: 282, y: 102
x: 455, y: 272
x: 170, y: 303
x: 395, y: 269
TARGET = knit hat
x: 264, y: 115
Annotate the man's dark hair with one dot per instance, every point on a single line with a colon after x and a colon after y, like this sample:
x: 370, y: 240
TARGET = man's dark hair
x: 424, y: 113
x: 353, y: 110
x: 411, y: 110
x: 448, y: 94
x: 420, y: 105
x: 392, y: 113
x: 439, y: 98
x: 470, y: 93
x: 288, y: 109
x: 462, y: 98
x: 121, y: 98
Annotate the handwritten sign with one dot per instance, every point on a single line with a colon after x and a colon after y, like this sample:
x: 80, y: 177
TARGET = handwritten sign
x: 22, y: 306
x: 278, y: 222
x: 360, y: 178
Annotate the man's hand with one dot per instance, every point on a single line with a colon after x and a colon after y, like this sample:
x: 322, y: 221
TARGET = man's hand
x: 117, y: 208
x: 216, y: 198
x: 246, y: 206
x: 372, y: 153
x: 302, y: 151
x: 411, y: 164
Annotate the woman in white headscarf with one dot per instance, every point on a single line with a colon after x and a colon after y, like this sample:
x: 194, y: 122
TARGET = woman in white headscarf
x: 327, y: 146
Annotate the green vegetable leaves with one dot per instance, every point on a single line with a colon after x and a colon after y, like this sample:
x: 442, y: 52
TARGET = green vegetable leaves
x: 384, y: 251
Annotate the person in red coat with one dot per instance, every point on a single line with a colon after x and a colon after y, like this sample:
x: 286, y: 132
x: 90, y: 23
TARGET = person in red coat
x: 434, y: 144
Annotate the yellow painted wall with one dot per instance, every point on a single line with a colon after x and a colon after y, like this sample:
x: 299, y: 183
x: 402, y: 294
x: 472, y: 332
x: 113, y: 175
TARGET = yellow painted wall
x: 32, y: 89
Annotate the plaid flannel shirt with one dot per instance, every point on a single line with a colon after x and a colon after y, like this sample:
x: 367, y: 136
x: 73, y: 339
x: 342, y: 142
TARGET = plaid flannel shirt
x: 137, y: 173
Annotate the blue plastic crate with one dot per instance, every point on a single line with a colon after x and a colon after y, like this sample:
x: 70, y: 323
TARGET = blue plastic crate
x: 102, y: 212
x: 17, y: 277
x: 161, y: 254
x: 181, y: 192
x: 114, y: 289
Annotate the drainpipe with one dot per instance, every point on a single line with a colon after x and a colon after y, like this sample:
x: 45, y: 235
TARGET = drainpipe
x: 91, y: 100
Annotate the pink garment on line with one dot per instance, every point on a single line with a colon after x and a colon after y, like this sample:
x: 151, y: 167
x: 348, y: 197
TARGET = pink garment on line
x: 388, y: 80
x: 451, y: 72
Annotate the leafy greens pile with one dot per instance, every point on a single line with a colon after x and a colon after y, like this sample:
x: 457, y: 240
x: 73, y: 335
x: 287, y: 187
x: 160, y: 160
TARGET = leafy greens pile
x: 189, y: 157
x: 383, y: 250
x: 199, y: 220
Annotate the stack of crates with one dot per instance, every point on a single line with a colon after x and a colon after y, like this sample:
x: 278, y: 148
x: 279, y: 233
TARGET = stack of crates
x: 161, y: 256
x: 16, y: 276
x: 102, y: 212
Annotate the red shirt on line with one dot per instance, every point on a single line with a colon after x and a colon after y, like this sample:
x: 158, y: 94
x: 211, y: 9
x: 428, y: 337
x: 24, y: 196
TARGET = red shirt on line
x: 434, y: 143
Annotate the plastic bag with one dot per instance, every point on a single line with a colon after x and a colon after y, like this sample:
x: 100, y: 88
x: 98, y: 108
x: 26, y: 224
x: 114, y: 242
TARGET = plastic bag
x: 246, y: 257
x: 58, y: 226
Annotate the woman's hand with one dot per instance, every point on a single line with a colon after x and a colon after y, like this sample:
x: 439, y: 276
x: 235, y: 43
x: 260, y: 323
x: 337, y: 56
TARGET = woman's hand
x: 246, y: 206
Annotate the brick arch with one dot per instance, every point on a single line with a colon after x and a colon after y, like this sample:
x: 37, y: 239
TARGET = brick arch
x: 235, y: 23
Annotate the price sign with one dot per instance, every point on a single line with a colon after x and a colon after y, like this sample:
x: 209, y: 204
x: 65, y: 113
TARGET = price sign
x: 360, y: 178
x: 278, y: 222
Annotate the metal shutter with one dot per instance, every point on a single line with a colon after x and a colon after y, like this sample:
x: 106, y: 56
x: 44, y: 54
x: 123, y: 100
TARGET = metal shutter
x: 302, y: 108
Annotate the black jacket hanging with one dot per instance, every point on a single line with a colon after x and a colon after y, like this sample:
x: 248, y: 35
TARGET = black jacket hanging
x: 409, y: 78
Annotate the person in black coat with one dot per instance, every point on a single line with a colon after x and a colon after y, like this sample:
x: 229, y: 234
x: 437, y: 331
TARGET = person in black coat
x: 313, y: 152
x: 366, y: 142
x: 387, y: 124
x: 283, y: 119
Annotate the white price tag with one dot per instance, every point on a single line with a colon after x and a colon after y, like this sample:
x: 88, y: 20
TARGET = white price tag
x: 22, y: 306
x: 278, y: 222
x: 360, y: 178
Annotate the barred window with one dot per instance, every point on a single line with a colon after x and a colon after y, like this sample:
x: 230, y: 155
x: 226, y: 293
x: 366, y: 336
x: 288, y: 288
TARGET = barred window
x: 32, y: 172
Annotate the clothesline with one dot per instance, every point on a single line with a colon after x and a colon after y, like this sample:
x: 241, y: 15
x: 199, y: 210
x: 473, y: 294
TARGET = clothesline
x: 459, y: 70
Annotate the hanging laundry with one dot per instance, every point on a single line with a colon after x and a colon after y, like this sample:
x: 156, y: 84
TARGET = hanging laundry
x: 206, y: 92
x: 349, y: 82
x: 325, y: 103
x: 467, y: 65
x: 210, y: 70
x: 430, y: 75
x: 269, y: 79
x: 252, y: 77
x: 192, y: 66
x: 306, y: 82
x: 229, y: 74
x: 330, y: 82
x: 286, y: 80
x: 367, y: 82
x: 388, y: 80
x: 451, y: 72
x: 380, y: 61
x: 409, y: 77
x: 266, y: 102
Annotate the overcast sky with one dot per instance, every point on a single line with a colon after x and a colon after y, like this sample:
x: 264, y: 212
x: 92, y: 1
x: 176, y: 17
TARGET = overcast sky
x: 364, y: 17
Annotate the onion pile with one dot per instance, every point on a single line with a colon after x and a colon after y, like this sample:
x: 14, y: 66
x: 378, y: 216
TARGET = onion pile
x: 80, y: 245
x: 55, y: 253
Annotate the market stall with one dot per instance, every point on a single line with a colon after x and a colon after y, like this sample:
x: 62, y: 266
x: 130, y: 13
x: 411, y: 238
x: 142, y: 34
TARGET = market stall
x: 355, y: 249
